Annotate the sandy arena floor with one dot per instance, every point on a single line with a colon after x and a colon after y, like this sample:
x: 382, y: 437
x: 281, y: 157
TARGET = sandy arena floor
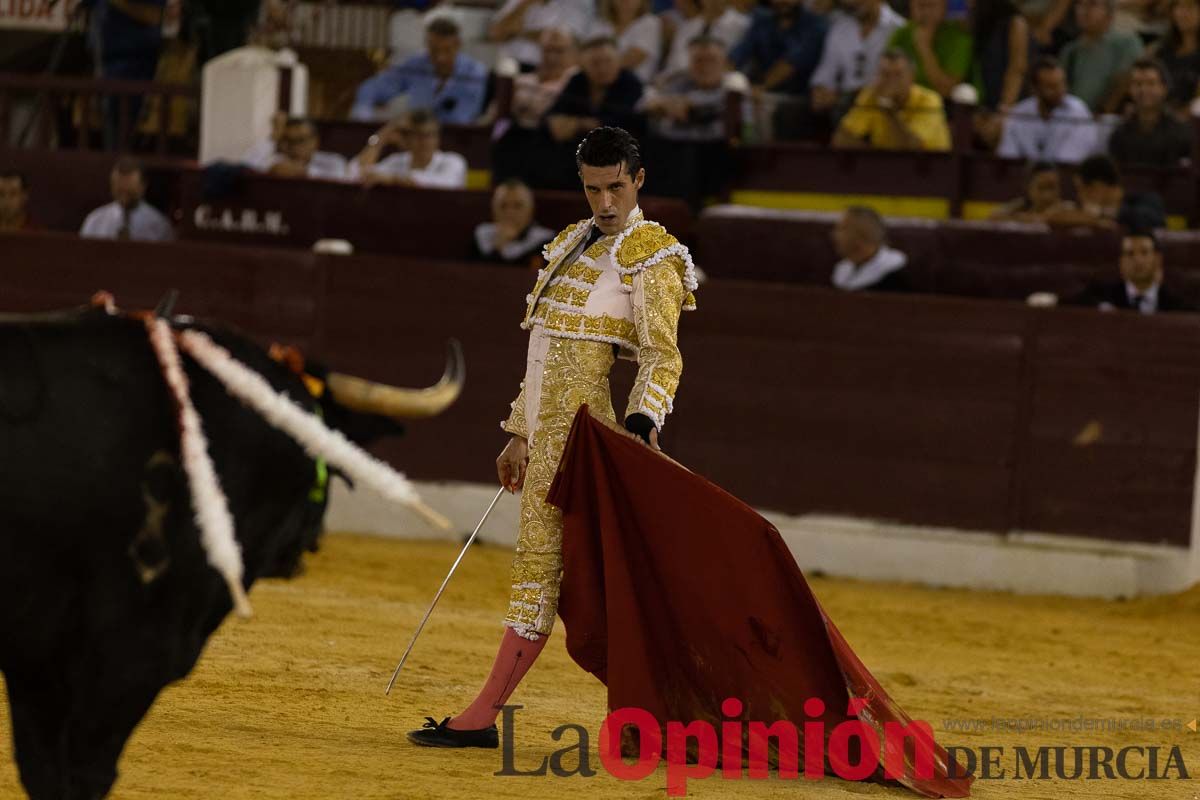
x: 291, y: 704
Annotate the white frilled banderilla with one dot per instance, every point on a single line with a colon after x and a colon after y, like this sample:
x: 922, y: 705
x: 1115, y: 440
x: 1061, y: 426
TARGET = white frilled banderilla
x: 318, y: 441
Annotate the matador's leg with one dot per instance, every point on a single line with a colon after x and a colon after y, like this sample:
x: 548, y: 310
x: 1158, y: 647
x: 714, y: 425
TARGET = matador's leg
x: 576, y: 372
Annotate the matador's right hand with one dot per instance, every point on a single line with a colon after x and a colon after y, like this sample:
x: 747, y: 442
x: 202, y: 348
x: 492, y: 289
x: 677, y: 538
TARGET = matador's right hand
x: 512, y: 463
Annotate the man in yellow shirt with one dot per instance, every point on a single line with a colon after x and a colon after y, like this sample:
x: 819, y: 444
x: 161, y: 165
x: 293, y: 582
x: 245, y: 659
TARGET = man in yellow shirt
x: 893, y: 113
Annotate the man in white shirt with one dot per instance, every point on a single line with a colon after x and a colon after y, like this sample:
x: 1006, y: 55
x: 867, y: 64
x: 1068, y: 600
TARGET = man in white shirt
x: 299, y: 155
x: 534, y: 92
x: 868, y: 264
x: 420, y: 162
x: 1051, y: 125
x: 853, y: 47
x: 519, y: 22
x: 128, y: 216
x: 513, y: 236
x: 717, y: 20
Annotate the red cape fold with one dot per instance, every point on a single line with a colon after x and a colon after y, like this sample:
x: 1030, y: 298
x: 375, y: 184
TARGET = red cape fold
x: 677, y: 595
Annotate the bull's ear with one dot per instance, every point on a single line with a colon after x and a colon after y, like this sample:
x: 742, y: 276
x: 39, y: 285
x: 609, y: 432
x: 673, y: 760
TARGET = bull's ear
x: 166, y: 306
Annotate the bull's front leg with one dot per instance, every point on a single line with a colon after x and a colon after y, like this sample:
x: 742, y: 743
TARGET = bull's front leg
x: 39, y: 721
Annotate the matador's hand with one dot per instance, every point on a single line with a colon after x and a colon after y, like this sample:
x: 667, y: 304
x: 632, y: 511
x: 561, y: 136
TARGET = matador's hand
x: 512, y: 462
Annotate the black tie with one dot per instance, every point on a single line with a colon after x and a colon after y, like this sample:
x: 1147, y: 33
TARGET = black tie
x: 592, y: 237
x: 124, y: 232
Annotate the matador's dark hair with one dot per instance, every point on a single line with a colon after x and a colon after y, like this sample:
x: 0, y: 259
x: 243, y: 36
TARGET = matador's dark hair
x: 606, y: 147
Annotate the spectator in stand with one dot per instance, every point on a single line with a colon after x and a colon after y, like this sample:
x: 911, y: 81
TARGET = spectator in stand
x: 939, y: 48
x: 856, y: 41
x: 782, y: 48
x: 1103, y: 203
x: 1045, y: 18
x: 535, y: 92
x: 126, y: 39
x: 688, y: 142
x: 639, y: 34
x: 1179, y: 51
x: 300, y: 155
x: 893, y: 113
x: 419, y: 163
x: 519, y: 23
x: 1051, y: 125
x: 1002, y: 45
x: 14, y: 204
x: 512, y: 237
x: 128, y: 216
x: 1098, y: 62
x: 448, y: 82
x: 602, y: 93
x: 1152, y: 136
x: 519, y: 140
x: 867, y: 263
x: 1140, y: 287
x: 1042, y: 197
x: 716, y: 19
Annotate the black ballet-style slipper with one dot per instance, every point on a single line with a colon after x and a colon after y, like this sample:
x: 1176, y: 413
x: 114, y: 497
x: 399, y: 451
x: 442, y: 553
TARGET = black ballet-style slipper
x: 437, y: 734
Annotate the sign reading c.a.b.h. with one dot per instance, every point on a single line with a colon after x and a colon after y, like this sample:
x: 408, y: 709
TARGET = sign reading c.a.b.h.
x: 44, y: 15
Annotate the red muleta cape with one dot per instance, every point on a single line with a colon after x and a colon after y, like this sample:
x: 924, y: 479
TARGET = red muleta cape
x: 677, y: 595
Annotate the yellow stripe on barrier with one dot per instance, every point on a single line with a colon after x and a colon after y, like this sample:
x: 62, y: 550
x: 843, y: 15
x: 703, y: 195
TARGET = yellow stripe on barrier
x: 930, y: 207
x: 978, y: 209
x: 479, y: 179
x: 927, y: 207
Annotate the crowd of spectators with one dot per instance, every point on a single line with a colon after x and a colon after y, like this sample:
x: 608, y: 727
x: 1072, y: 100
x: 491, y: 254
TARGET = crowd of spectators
x: 1049, y: 80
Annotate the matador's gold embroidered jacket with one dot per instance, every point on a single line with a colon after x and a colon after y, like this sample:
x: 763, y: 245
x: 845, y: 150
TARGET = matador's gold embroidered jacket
x: 626, y: 288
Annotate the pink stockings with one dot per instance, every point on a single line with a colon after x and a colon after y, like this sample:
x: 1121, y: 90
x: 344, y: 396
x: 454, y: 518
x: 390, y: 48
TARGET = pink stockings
x: 514, y: 659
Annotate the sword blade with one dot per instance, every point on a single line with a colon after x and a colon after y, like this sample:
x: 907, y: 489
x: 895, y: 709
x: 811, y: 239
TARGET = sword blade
x: 438, y: 596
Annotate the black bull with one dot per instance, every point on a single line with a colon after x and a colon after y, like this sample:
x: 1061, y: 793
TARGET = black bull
x: 105, y: 592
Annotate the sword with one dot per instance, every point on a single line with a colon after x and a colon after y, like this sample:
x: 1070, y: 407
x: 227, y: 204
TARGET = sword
x: 438, y: 596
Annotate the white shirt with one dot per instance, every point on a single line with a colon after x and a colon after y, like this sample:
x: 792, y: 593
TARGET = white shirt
x: 729, y: 28
x: 326, y: 166
x: 260, y: 155
x: 853, y: 277
x: 644, y: 33
x: 1148, y: 303
x: 444, y: 170
x: 1069, y: 136
x: 145, y: 223
x: 527, y: 245
x: 574, y: 15
x: 849, y: 62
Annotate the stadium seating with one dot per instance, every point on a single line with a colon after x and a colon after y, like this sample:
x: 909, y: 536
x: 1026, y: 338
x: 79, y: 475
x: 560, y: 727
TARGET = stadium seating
x: 859, y: 385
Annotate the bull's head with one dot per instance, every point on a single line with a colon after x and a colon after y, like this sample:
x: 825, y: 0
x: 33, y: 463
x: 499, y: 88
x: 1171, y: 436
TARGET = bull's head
x: 366, y: 411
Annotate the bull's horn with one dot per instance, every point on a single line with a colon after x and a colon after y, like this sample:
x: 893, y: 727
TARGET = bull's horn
x: 390, y: 401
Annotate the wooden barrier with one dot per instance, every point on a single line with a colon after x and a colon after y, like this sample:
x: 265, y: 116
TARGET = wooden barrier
x: 429, y: 223
x: 932, y: 411
x: 735, y: 242
x: 972, y: 259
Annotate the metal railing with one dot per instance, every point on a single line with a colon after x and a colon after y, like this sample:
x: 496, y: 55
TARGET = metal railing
x: 96, y: 113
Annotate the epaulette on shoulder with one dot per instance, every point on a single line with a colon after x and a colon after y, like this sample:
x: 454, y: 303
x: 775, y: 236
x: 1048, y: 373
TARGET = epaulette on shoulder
x: 641, y: 242
x: 559, y: 244
x: 646, y: 244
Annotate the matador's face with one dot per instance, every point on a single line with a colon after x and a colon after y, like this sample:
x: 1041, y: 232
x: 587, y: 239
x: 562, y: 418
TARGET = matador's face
x: 612, y: 193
